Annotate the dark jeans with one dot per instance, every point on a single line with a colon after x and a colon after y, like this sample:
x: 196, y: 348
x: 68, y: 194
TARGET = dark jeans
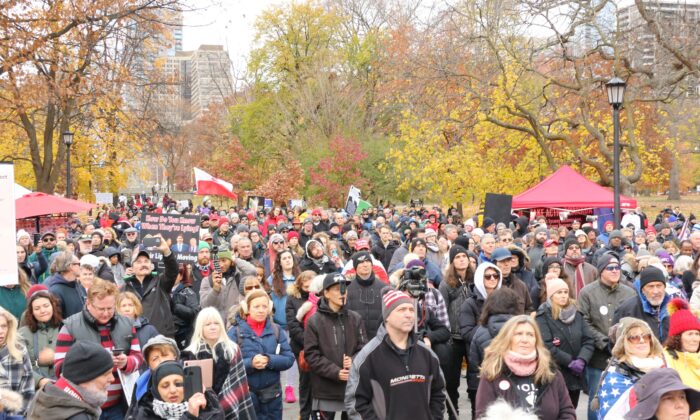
x: 592, y: 377
x: 305, y: 400
x: 270, y: 410
x: 452, y: 370
x: 471, y: 393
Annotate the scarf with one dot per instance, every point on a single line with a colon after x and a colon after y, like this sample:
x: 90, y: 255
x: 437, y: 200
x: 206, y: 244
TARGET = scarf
x: 169, y: 411
x: 257, y: 327
x: 204, y: 269
x: 521, y: 365
x: 568, y: 314
x: 645, y: 364
x: 577, y: 263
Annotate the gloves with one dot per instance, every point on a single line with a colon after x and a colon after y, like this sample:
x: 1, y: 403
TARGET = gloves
x: 577, y: 366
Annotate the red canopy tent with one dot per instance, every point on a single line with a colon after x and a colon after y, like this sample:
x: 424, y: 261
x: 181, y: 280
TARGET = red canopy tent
x: 40, y: 204
x: 567, y: 189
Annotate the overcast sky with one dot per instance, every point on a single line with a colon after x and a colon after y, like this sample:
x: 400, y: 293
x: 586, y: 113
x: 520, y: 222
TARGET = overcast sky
x: 224, y: 22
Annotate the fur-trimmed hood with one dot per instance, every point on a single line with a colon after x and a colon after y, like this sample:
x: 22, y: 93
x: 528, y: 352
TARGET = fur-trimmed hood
x: 10, y: 401
x: 293, y: 291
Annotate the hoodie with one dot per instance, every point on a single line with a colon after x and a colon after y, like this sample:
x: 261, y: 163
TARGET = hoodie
x: 470, y: 311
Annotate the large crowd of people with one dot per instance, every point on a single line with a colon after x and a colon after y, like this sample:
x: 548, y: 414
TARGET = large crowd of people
x: 375, y: 315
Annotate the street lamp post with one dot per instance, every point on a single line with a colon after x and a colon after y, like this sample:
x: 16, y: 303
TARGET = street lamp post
x: 616, y: 96
x: 68, y: 141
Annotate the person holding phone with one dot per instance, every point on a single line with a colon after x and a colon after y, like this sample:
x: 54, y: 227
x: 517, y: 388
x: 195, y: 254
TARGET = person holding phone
x: 168, y: 385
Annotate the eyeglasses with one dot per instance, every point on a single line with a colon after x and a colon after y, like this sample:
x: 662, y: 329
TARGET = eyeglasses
x: 636, y: 339
x: 491, y: 276
x: 257, y: 286
x: 507, y: 240
x: 48, y: 240
x: 613, y: 268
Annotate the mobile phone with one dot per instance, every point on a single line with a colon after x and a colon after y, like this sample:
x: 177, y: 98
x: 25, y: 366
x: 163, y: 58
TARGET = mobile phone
x: 36, y: 238
x: 193, y: 381
x: 151, y: 242
x: 118, y: 352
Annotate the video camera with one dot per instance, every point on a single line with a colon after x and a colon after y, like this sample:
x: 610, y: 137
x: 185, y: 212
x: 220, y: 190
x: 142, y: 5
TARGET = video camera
x: 414, y: 282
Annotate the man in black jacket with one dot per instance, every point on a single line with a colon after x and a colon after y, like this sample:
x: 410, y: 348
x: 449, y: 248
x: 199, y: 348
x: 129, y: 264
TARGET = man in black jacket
x: 154, y: 289
x: 395, y: 376
x: 384, y: 250
x: 365, y: 293
x: 650, y: 303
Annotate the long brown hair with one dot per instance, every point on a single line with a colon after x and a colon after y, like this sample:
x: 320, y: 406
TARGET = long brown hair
x: 451, y: 276
x: 31, y: 322
x: 494, y: 365
x: 278, y: 273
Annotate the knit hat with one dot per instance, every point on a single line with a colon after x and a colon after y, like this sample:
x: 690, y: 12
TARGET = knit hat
x: 651, y: 275
x: 36, y: 288
x: 21, y: 233
x: 604, y: 260
x: 163, y: 370
x: 579, y: 233
x: 615, y: 234
x: 350, y: 234
x: 642, y: 254
x: 555, y: 285
x: 487, y: 223
x: 415, y: 263
x: 242, y: 228
x: 392, y: 299
x: 456, y: 250
x: 430, y: 232
x: 540, y: 230
x: 360, y: 257
x: 549, y: 261
x: 292, y: 234
x: 609, y: 222
x: 86, y: 361
x: 681, y: 319
x: 203, y: 245
x: 569, y: 242
x: 226, y: 254
x: 276, y: 237
x: 651, y: 230
x: 159, y: 340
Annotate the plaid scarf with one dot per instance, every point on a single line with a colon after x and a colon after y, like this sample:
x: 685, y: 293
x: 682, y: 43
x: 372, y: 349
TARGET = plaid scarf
x: 169, y: 411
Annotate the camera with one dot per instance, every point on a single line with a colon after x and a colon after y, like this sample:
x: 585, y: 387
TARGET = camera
x: 414, y: 283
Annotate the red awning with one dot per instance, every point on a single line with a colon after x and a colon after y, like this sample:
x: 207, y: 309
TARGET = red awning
x: 40, y: 204
x: 567, y: 189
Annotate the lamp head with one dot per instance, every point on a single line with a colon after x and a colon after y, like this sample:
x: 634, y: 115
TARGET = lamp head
x: 67, y: 138
x: 616, y: 91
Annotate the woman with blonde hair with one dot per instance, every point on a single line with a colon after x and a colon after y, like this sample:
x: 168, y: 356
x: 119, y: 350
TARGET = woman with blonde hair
x: 17, y: 377
x: 636, y: 352
x: 129, y: 305
x: 209, y: 341
x: 518, y: 368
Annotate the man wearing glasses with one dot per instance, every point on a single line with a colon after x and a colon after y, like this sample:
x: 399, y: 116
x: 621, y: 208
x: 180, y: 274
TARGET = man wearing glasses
x: 64, y: 283
x: 47, y: 247
x: 598, y: 302
x: 131, y: 239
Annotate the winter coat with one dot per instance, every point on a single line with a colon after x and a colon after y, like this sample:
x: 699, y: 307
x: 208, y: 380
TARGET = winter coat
x: 327, y: 267
x: 397, y: 259
x: 590, y: 273
x: 144, y: 409
x: 229, y: 294
x: 566, y: 343
x: 52, y: 403
x: 280, y: 358
x: 640, y: 308
x: 156, y: 296
x: 365, y: 298
x: 221, y: 238
x: 597, y: 303
x: 482, y: 338
x: 328, y: 336
x: 454, y: 298
x: 295, y: 298
x: 45, y: 338
x: 68, y: 293
x: 144, y: 332
x: 378, y: 389
x: 469, y: 314
x: 35, y: 267
x: 552, y: 400
x: 185, y: 310
x: 517, y: 285
x: 384, y: 252
x: 13, y: 299
x: 44, y: 255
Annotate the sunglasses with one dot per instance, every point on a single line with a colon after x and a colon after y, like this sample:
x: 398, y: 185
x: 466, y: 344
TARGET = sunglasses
x: 131, y: 234
x: 277, y: 242
x: 247, y: 288
x: 209, y: 239
x: 636, y: 339
x: 48, y: 240
x: 613, y: 268
x: 491, y: 276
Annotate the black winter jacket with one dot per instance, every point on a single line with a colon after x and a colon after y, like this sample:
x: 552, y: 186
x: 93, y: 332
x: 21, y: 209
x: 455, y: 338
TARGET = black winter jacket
x: 185, y: 310
x: 68, y: 293
x: 144, y: 409
x: 482, y: 338
x: 155, y: 297
x: 327, y: 267
x: 454, y: 298
x: 295, y: 298
x: 328, y: 336
x: 365, y: 298
x: 384, y: 253
x: 469, y: 314
x: 566, y: 343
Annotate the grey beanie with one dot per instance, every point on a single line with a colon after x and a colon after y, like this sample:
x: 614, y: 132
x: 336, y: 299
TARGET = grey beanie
x: 86, y: 361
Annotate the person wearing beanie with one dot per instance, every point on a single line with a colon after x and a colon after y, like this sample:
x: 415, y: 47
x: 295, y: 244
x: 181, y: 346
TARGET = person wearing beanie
x: 566, y: 335
x: 364, y: 293
x: 536, y: 251
x: 382, y: 364
x: 80, y: 390
x: 650, y: 303
x: 663, y: 394
x: 682, y: 347
x: 489, y: 225
x: 333, y: 336
x: 598, y: 302
x: 614, y: 245
x: 419, y: 247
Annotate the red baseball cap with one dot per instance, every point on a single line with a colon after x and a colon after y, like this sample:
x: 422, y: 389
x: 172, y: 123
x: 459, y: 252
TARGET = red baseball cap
x: 316, y: 212
x: 550, y: 242
x: 361, y: 244
x: 213, y: 217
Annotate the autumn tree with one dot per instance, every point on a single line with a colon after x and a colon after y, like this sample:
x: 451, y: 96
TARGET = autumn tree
x: 335, y: 173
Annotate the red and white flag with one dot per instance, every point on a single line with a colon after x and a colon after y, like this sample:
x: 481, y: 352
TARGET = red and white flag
x: 209, y: 185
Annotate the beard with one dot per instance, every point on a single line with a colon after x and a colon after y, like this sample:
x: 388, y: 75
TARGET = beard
x: 92, y: 395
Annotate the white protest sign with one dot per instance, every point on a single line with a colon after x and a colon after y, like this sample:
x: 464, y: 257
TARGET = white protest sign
x: 104, y: 198
x: 8, y: 260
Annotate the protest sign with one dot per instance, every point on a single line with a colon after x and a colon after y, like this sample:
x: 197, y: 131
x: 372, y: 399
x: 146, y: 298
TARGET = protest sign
x: 8, y: 260
x: 353, y: 200
x: 180, y: 231
x: 104, y: 198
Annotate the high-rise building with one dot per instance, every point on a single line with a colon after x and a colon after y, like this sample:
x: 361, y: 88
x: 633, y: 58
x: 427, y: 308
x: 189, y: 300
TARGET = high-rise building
x: 679, y: 21
x: 211, y: 78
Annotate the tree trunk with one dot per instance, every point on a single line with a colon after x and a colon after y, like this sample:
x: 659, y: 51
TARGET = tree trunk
x: 674, y: 189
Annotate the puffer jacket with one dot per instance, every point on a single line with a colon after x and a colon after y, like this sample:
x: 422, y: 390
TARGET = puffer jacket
x: 328, y: 337
x: 295, y: 298
x: 469, y: 314
x: 280, y: 358
x: 482, y: 338
x: 156, y: 296
x: 365, y: 298
x: 45, y: 337
x: 144, y: 409
x: 185, y: 310
x: 566, y: 343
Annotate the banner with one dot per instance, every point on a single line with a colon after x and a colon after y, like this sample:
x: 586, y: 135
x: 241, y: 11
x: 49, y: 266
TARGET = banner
x: 180, y: 231
x: 8, y: 259
x: 104, y: 198
x: 296, y: 203
x: 362, y: 206
x: 353, y: 200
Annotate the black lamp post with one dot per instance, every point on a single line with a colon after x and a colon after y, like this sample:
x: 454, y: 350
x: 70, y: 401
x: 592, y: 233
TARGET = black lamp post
x: 68, y: 141
x: 616, y: 96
